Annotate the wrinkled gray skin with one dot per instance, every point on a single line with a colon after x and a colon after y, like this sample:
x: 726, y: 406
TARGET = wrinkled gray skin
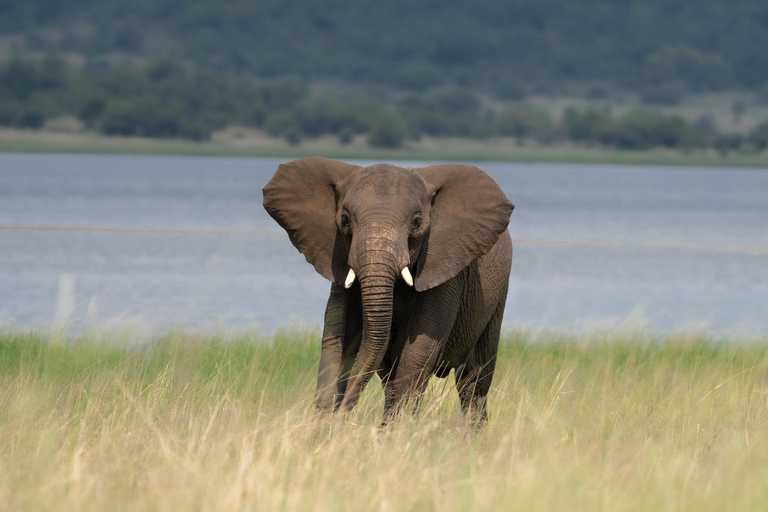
x: 448, y: 224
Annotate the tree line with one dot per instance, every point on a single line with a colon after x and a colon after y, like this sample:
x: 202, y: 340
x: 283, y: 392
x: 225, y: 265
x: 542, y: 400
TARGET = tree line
x: 166, y: 99
x: 508, y: 48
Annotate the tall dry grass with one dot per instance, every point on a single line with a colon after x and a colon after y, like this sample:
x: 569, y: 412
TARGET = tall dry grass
x: 222, y: 422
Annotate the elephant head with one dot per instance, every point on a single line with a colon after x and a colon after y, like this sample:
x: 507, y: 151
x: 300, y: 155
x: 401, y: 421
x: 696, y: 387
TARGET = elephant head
x: 377, y: 224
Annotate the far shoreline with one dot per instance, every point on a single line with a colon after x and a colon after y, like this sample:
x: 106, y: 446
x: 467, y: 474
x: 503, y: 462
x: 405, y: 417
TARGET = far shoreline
x: 244, y: 142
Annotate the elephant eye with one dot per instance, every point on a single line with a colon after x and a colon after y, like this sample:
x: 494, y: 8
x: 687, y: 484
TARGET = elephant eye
x: 345, y: 222
x: 416, y: 222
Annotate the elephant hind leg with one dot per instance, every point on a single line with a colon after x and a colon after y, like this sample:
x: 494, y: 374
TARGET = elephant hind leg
x: 473, y: 378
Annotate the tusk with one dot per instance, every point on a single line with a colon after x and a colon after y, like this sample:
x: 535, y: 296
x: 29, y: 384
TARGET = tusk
x: 350, y: 279
x: 407, y: 276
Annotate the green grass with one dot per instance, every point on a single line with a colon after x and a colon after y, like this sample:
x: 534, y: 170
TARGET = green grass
x: 191, y: 421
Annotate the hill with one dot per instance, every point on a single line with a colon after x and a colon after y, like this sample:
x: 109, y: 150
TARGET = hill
x: 506, y: 48
x: 394, y: 72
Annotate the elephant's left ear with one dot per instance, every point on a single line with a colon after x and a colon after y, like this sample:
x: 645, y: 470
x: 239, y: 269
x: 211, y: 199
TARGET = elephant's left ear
x: 469, y: 213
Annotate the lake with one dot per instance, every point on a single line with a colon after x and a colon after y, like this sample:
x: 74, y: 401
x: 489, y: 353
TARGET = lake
x: 116, y: 241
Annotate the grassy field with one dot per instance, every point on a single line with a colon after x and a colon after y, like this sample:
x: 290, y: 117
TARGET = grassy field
x: 224, y: 422
x: 254, y: 143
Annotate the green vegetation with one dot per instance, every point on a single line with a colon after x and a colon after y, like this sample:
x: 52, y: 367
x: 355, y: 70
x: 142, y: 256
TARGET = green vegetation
x: 165, y: 99
x: 636, y: 130
x: 615, y: 421
x: 659, y: 48
x: 394, y: 73
x: 161, y: 99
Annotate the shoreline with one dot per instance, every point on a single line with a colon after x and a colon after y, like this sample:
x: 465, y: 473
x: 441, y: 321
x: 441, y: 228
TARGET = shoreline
x: 633, y: 327
x: 237, y: 142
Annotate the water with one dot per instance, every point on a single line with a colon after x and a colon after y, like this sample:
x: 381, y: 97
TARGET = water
x: 692, y: 245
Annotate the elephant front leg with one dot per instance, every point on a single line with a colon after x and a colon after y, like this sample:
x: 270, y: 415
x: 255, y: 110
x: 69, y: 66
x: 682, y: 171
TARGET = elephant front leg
x: 405, y: 387
x: 329, y: 375
x: 419, y: 347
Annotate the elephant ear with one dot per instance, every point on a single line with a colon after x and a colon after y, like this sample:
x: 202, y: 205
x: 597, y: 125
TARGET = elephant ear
x: 302, y: 197
x: 469, y: 213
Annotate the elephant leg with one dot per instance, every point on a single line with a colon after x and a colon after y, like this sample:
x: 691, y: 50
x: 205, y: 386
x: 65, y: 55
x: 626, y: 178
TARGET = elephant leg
x: 473, y: 378
x: 404, y: 388
x: 385, y: 374
x: 330, y: 368
x: 341, y: 385
x: 419, y: 347
x: 351, y: 346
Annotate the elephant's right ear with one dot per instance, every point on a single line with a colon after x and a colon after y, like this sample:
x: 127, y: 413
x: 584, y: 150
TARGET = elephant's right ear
x: 302, y: 197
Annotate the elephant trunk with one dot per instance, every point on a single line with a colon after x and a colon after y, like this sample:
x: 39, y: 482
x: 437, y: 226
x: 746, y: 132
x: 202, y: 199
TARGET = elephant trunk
x: 377, y: 272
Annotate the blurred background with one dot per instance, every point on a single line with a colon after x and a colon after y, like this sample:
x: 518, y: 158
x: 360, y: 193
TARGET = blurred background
x: 629, y: 74
x: 553, y: 97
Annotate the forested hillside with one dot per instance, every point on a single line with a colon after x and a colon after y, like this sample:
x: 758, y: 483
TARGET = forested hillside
x: 506, y: 48
x: 393, y: 71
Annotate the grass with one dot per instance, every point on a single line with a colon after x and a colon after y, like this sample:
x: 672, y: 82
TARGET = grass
x: 254, y: 143
x: 612, y: 421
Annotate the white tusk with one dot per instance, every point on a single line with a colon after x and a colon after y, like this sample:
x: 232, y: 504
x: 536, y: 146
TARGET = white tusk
x: 350, y: 279
x: 407, y: 276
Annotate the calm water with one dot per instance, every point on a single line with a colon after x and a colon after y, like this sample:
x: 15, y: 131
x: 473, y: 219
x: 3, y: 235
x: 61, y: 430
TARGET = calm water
x: 252, y: 276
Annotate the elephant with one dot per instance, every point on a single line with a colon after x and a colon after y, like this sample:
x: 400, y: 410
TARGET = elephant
x: 419, y: 262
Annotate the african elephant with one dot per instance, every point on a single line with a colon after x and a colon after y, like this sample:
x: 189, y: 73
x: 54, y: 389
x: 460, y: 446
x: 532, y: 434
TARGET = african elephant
x: 419, y: 261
